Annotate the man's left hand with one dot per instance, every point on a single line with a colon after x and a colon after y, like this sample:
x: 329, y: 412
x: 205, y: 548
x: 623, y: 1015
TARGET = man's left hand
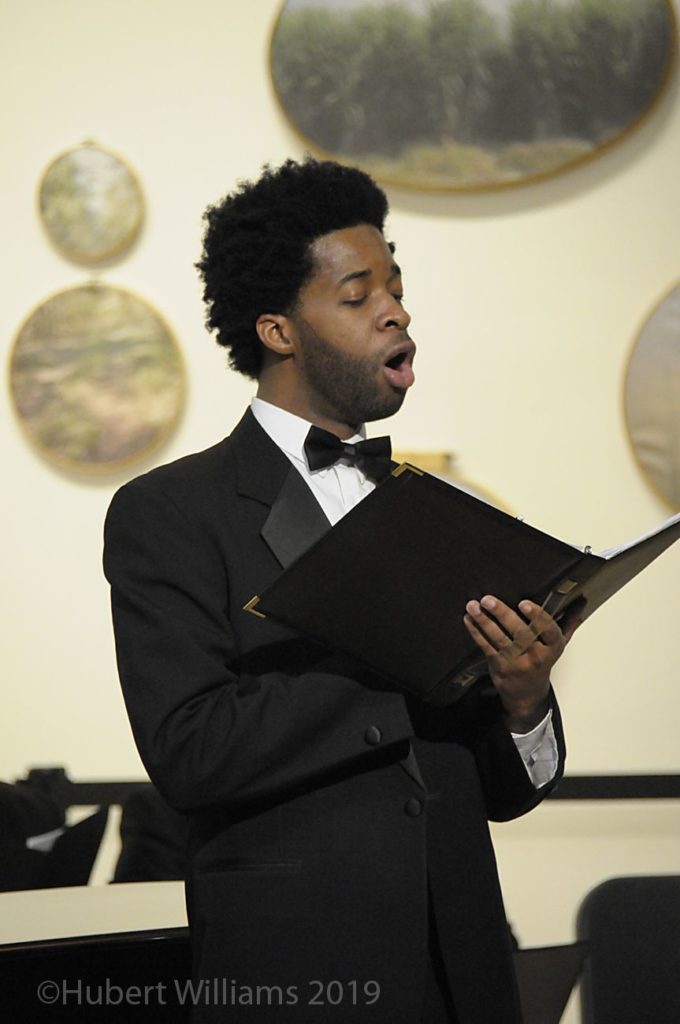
x: 520, y: 650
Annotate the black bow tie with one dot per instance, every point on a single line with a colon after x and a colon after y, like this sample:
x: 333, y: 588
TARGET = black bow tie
x: 325, y: 449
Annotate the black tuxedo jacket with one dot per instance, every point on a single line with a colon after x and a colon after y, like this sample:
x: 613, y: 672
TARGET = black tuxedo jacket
x: 323, y: 802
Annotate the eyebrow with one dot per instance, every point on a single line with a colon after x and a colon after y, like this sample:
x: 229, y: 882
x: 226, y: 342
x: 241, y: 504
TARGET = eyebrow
x: 356, y: 275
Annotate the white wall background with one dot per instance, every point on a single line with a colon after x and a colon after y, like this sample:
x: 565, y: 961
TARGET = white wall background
x: 525, y: 305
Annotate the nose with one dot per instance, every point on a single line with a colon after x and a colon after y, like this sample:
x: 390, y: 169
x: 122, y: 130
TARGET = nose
x: 394, y: 315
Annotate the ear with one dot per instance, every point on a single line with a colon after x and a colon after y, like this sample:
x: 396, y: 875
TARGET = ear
x: 276, y: 332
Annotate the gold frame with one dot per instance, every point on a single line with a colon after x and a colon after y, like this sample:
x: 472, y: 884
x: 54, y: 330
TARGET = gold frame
x: 483, y: 187
x: 103, y: 256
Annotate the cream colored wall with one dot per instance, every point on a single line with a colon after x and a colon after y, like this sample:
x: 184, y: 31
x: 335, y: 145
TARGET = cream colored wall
x: 525, y: 306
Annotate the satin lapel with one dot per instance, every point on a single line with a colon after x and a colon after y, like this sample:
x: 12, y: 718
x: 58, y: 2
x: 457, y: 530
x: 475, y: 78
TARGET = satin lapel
x: 296, y: 519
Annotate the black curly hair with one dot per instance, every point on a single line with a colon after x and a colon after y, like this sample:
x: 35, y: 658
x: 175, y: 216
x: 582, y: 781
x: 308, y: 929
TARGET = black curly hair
x: 256, y: 248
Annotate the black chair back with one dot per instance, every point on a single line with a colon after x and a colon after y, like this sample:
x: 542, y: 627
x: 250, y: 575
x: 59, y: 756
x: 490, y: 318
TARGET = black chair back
x: 632, y: 975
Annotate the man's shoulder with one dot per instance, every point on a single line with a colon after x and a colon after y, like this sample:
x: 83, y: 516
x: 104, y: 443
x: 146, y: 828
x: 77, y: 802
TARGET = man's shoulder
x: 200, y: 486
x: 198, y: 471
x: 171, y: 510
x: 184, y: 482
x: 194, y: 484
x: 189, y: 470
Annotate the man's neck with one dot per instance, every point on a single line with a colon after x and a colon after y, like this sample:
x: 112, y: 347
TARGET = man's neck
x: 299, y: 405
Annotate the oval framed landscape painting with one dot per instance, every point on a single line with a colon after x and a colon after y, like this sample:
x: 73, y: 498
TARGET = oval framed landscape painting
x: 91, y: 204
x: 652, y: 398
x: 97, y: 378
x: 461, y: 95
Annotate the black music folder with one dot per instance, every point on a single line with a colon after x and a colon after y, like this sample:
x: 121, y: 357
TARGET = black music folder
x: 389, y: 582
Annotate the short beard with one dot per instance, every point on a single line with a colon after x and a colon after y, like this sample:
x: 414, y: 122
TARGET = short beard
x: 345, y: 384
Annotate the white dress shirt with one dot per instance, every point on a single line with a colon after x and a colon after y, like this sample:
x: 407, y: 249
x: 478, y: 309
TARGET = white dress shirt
x: 338, y: 489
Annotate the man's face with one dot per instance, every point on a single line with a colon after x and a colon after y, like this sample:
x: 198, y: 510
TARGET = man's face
x: 354, y: 355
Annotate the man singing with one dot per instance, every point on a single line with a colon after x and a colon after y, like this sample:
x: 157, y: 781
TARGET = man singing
x: 341, y: 865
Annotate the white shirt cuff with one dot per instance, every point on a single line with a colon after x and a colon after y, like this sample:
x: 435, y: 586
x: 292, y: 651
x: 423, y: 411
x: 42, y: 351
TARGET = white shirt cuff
x: 538, y: 750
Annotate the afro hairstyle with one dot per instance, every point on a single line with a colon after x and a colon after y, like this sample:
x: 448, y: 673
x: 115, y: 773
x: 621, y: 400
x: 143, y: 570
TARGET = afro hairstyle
x: 256, y: 247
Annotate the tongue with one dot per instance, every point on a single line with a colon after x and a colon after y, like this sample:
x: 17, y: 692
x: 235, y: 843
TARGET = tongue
x: 401, y: 376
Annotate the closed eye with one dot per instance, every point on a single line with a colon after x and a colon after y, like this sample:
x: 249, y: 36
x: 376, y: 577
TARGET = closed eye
x: 354, y: 302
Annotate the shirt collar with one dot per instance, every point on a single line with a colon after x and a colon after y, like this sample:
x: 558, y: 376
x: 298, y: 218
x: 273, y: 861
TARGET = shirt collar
x: 287, y: 430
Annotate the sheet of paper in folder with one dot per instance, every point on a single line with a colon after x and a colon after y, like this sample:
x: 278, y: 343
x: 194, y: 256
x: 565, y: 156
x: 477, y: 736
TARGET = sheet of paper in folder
x: 388, y: 584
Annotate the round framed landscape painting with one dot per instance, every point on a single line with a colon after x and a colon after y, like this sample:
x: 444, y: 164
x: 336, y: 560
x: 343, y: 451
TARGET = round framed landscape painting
x: 91, y: 204
x: 652, y: 398
x: 469, y: 94
x: 96, y: 377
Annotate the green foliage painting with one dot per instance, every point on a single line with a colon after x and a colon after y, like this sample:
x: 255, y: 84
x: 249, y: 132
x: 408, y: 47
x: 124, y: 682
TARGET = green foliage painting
x: 91, y: 204
x: 96, y: 378
x: 460, y: 94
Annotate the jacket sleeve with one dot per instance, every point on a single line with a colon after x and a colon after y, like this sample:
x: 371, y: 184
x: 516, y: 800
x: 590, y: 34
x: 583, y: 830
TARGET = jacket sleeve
x: 477, y: 722
x: 213, y: 727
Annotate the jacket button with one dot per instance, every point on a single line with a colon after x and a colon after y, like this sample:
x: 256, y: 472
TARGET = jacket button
x: 373, y: 735
x: 413, y: 807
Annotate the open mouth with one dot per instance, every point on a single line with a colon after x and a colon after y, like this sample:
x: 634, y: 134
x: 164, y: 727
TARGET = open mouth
x: 399, y: 367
